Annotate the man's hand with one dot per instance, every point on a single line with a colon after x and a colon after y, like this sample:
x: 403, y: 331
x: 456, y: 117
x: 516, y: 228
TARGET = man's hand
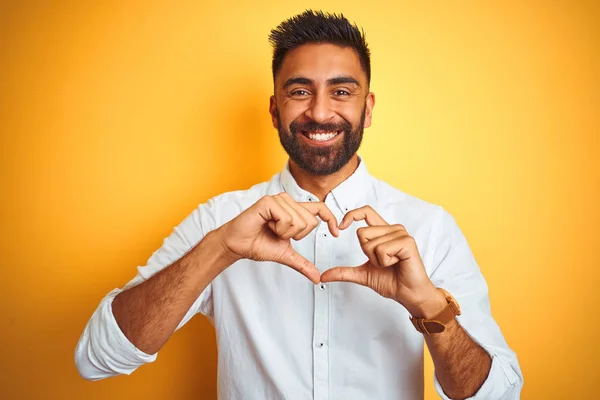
x: 394, y: 268
x: 263, y: 231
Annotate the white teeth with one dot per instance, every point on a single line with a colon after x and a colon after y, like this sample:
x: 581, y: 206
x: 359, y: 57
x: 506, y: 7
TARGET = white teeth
x: 321, y: 137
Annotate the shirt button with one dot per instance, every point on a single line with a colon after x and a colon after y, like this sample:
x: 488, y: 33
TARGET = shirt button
x: 322, y: 286
x: 320, y: 345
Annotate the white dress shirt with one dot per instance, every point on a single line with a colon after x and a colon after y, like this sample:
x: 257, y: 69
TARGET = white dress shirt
x: 282, y: 337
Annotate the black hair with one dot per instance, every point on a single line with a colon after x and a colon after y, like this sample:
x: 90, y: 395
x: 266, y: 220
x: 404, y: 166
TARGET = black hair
x: 318, y: 27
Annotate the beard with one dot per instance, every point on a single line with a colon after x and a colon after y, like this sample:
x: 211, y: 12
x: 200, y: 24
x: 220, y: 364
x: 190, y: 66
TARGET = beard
x: 322, y: 160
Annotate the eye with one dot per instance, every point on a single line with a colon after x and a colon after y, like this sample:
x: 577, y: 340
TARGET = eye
x: 341, y: 93
x: 299, y: 93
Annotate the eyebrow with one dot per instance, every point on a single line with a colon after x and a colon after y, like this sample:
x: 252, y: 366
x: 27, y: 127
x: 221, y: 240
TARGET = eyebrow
x: 300, y: 80
x: 342, y: 79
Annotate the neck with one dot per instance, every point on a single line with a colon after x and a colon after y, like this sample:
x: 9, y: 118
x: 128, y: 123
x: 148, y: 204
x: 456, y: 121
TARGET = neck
x: 318, y: 185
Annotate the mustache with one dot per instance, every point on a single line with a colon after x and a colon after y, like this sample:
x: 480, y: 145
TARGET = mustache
x: 312, y: 126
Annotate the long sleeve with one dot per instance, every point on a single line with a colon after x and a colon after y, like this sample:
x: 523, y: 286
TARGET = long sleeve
x: 456, y: 270
x: 103, y: 350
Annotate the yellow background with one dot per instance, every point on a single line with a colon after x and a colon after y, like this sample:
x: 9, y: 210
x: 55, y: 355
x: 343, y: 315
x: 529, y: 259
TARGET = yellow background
x: 118, y: 119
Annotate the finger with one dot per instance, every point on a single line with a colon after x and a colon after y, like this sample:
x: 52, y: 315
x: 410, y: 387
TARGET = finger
x: 380, y: 257
x: 393, y: 251
x: 378, y: 279
x: 298, y: 223
x: 278, y: 219
x: 310, y: 221
x: 366, y: 234
x: 365, y: 213
x: 323, y: 212
x: 294, y: 260
x: 358, y: 274
x: 370, y: 253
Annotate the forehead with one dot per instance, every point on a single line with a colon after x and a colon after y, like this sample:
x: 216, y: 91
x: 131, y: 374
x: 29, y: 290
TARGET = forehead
x: 320, y: 62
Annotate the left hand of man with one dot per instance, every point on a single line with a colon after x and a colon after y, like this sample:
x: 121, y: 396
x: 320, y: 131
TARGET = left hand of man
x: 394, y: 268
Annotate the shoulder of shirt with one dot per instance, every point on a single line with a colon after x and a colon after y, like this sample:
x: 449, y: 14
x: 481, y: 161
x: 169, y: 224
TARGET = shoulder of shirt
x: 388, y: 195
x: 409, y: 209
x: 236, y: 201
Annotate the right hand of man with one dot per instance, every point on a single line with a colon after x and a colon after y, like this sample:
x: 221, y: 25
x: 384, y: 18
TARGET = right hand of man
x: 263, y: 231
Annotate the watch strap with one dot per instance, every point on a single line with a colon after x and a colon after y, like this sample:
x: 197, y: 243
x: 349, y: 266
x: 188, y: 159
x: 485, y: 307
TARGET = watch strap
x: 437, y: 323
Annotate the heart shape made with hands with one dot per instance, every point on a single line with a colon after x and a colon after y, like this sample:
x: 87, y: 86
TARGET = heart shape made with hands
x: 394, y: 268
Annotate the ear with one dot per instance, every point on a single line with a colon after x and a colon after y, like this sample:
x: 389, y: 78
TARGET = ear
x: 273, y: 112
x: 370, y: 103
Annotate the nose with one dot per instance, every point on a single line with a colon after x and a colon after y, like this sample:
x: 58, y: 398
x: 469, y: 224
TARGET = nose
x: 320, y: 109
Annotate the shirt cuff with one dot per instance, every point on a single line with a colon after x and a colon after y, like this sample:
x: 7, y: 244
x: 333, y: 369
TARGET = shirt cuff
x: 104, y: 350
x: 498, y: 384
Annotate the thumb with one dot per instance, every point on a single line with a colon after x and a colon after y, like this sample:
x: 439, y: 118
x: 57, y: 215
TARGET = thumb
x: 358, y: 274
x: 294, y: 260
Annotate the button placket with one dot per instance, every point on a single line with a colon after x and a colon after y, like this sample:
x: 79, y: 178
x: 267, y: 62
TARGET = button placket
x: 321, y: 316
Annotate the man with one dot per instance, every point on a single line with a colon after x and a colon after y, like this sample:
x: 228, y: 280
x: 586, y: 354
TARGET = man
x: 355, y: 328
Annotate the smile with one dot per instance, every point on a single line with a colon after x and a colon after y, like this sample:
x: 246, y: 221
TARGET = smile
x: 321, y: 136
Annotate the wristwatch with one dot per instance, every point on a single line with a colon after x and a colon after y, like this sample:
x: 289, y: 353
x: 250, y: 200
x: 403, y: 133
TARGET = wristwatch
x: 438, y: 323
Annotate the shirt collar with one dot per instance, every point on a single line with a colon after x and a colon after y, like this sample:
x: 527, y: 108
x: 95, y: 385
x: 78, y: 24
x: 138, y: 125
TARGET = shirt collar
x: 348, y: 195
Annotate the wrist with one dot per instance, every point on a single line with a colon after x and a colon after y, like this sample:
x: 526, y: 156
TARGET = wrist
x: 430, y: 303
x: 211, y: 255
x: 217, y: 243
